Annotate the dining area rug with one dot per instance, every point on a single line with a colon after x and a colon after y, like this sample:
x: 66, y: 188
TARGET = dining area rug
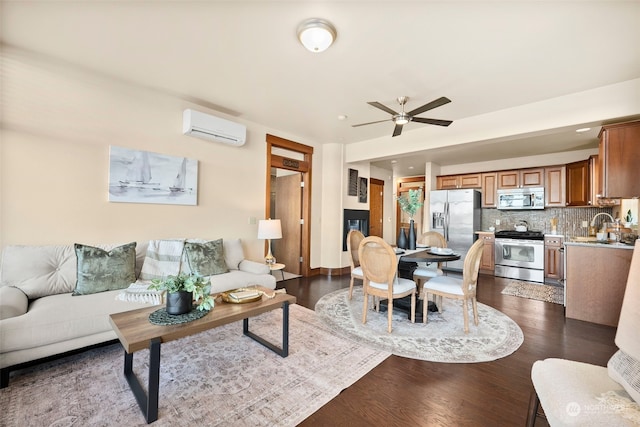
x: 536, y: 291
x: 441, y: 339
x: 215, y: 378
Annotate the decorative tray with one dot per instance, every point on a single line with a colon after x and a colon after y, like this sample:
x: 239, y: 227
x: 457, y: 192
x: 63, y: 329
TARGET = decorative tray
x: 241, y: 296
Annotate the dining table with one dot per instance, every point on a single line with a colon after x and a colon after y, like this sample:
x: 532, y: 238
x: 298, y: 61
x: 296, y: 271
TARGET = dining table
x: 419, y: 255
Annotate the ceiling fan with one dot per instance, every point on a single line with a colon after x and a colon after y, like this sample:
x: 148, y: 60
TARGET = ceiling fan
x: 402, y: 118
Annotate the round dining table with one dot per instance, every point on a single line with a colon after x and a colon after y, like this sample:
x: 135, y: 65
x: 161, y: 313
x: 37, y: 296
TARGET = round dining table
x: 418, y: 255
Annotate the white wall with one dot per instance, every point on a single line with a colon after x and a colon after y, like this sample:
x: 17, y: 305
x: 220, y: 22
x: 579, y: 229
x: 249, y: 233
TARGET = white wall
x: 57, y: 125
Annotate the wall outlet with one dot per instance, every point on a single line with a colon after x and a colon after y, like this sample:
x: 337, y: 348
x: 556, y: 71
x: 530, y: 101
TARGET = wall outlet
x: 252, y: 220
x: 497, y: 222
x: 585, y: 224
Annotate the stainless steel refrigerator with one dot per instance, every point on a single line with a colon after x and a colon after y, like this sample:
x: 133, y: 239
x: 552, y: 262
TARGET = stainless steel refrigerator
x: 456, y: 214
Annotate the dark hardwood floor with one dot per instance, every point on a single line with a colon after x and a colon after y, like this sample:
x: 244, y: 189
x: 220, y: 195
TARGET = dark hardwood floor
x: 407, y: 392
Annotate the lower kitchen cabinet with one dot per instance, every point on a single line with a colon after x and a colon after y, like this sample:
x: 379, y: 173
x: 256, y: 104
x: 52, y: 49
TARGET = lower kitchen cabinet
x: 553, y: 258
x: 596, y: 279
x: 487, y: 262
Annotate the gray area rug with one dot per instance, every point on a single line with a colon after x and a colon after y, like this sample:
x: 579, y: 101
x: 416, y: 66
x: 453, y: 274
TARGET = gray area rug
x: 537, y: 291
x: 441, y: 339
x: 216, y: 378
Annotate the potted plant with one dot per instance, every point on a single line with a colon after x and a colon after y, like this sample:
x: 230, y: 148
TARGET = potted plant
x: 182, y: 290
x: 410, y: 204
x: 628, y: 219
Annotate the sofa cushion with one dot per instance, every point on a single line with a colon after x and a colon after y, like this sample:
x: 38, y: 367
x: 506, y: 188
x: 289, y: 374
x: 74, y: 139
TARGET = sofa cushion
x: 233, y: 253
x: 625, y: 370
x: 100, y: 270
x: 206, y: 259
x: 60, y: 318
x: 163, y: 258
x: 13, y: 302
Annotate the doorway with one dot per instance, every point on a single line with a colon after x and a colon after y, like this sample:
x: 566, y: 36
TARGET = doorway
x: 376, y: 206
x: 289, y: 200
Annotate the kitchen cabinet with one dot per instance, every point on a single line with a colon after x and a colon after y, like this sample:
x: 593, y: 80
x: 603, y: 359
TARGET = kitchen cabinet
x: 453, y: 182
x: 553, y: 258
x: 487, y: 262
x: 594, y: 179
x: 619, y: 157
x: 555, y: 186
x: 578, y: 189
x: 533, y: 177
x: 596, y: 278
x: 489, y: 187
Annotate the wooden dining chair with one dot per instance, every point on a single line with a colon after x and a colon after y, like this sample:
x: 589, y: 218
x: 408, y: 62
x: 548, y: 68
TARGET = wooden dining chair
x: 353, y: 243
x: 379, y: 266
x: 461, y: 289
x: 426, y: 271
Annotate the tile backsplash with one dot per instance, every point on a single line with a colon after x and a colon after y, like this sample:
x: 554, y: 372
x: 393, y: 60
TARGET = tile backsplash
x: 569, y: 219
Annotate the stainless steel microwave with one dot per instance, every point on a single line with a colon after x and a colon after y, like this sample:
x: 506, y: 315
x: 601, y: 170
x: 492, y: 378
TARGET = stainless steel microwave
x: 521, y: 198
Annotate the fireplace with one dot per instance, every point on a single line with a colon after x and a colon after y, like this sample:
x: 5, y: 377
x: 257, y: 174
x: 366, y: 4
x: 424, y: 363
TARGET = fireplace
x: 354, y: 220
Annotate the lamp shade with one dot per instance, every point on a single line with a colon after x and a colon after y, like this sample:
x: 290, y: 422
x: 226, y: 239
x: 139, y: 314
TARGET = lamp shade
x: 269, y: 229
x: 316, y: 35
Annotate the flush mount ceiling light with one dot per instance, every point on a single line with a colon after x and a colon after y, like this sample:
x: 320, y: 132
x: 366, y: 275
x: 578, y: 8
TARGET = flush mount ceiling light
x: 316, y: 34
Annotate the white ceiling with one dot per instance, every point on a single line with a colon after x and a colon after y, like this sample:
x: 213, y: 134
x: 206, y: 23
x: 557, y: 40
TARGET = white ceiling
x: 243, y: 59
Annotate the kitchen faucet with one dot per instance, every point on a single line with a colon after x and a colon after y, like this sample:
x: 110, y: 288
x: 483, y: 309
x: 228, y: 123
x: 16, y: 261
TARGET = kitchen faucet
x: 593, y: 220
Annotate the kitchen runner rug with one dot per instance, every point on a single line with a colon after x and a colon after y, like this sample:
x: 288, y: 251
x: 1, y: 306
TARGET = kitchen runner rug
x: 537, y: 291
x: 216, y: 378
x: 441, y: 339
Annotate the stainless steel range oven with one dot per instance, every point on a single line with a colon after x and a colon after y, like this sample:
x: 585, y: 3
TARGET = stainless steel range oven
x: 520, y: 255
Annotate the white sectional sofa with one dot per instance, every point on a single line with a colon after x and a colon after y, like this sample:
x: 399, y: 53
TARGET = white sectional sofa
x: 40, y: 316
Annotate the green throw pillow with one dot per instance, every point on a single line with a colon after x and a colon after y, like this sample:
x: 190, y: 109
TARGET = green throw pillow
x: 206, y: 259
x: 100, y: 270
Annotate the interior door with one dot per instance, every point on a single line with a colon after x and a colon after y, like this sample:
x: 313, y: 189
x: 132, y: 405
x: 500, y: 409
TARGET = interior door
x: 376, y: 204
x: 288, y: 208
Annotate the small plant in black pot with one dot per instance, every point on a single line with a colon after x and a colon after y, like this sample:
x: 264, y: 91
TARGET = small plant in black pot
x: 183, y: 290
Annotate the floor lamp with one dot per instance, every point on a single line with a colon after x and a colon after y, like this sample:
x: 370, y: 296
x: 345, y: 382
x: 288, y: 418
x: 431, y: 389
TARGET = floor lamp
x: 269, y: 229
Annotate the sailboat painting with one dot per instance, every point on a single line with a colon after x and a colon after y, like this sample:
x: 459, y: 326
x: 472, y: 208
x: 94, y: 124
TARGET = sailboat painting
x: 144, y: 177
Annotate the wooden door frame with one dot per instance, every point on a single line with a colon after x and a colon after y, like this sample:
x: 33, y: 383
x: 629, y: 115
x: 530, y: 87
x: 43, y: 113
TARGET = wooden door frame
x: 304, y: 167
x: 380, y: 182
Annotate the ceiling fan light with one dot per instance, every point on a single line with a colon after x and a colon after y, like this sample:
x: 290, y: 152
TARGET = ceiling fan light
x: 316, y: 35
x: 401, y: 119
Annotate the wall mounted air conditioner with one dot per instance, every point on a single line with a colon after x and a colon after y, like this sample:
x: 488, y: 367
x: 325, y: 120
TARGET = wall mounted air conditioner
x: 213, y: 128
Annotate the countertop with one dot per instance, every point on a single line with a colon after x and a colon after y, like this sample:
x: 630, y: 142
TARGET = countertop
x: 601, y: 245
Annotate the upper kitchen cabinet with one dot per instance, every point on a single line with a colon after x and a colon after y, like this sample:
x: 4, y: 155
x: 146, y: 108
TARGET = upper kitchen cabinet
x: 594, y: 179
x: 533, y: 177
x: 578, y: 189
x: 619, y: 157
x: 453, y: 182
x: 489, y: 196
x: 555, y: 186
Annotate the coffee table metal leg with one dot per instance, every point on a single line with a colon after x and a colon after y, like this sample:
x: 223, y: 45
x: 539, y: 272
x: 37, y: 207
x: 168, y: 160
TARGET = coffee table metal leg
x: 148, y: 403
x: 284, y: 351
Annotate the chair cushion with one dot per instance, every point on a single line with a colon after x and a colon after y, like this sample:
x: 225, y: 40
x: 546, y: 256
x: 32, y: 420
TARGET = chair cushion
x: 448, y: 284
x: 625, y: 370
x: 574, y: 394
x: 427, y: 271
x: 400, y: 285
x: 357, y: 272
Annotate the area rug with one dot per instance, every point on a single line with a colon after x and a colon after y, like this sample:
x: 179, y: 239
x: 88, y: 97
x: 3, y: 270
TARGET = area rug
x: 441, y: 339
x: 537, y: 291
x: 216, y: 378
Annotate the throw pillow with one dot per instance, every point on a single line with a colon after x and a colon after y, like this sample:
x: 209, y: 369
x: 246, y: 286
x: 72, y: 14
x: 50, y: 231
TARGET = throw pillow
x: 625, y: 370
x: 206, y: 259
x: 233, y: 253
x: 100, y: 270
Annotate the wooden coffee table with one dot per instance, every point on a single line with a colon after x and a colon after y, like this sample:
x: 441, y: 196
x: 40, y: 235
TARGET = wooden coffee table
x: 136, y: 332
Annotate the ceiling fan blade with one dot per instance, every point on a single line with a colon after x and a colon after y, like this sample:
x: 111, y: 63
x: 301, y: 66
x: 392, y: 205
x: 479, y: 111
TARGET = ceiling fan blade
x: 382, y: 107
x: 370, y: 123
x: 432, y: 121
x: 397, y: 130
x: 430, y: 106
